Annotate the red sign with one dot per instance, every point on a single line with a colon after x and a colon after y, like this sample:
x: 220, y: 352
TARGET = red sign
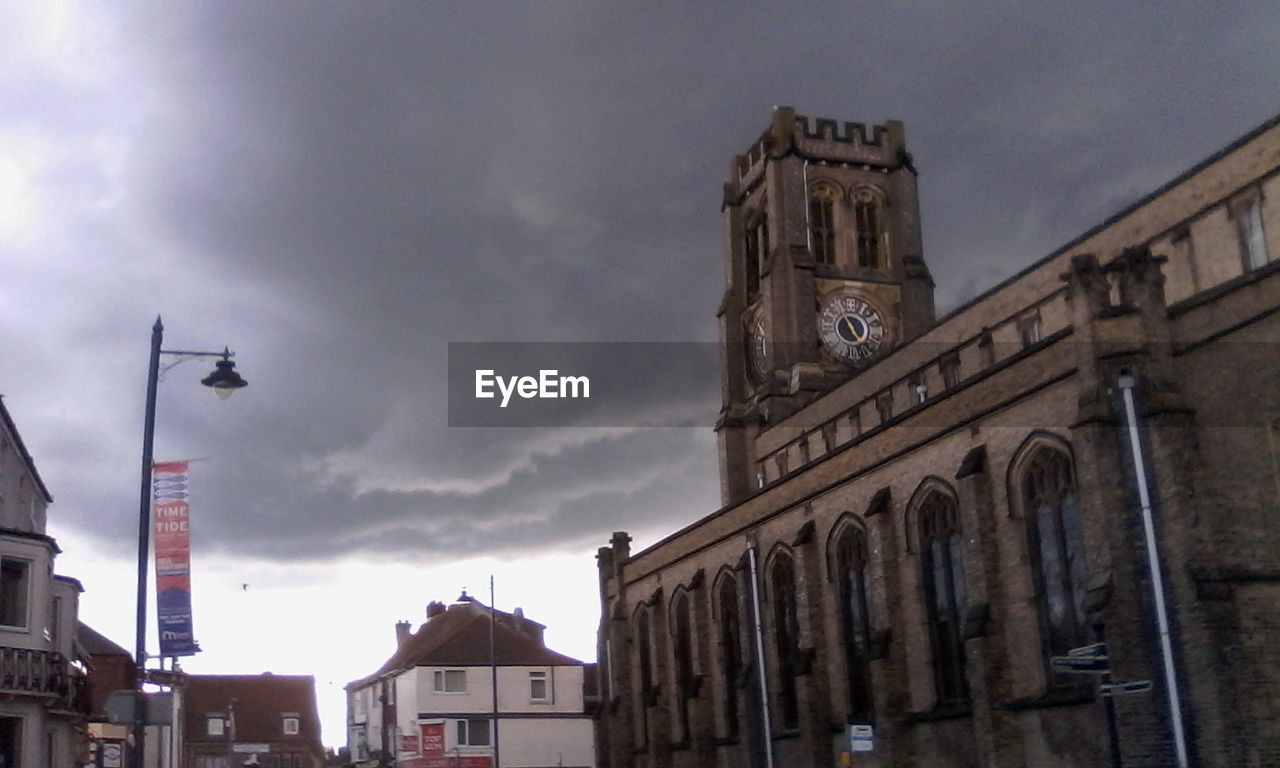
x: 409, y: 743
x: 432, y: 739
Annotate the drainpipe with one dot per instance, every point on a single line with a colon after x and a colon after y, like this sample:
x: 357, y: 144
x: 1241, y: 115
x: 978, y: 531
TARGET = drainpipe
x: 1127, y: 382
x: 759, y: 633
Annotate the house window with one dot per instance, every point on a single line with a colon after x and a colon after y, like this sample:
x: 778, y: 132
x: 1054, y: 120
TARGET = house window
x: 1253, y: 244
x: 803, y: 445
x: 1052, y: 509
x: 450, y: 680
x: 855, y: 621
x: 822, y: 223
x: 14, y: 588
x: 868, y: 229
x: 781, y: 458
x: 538, y: 686
x: 730, y: 651
x: 10, y: 741
x: 55, y: 619
x: 215, y: 725
x: 212, y: 761
x: 473, y: 733
x: 290, y: 726
x: 942, y: 572
x: 786, y: 628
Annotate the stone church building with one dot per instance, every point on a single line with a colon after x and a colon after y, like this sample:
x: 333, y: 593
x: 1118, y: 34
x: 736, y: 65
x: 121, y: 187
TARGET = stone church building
x: 937, y: 534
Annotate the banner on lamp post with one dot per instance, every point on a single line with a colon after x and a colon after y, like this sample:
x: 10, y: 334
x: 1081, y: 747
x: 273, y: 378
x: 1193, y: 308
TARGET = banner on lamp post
x: 170, y: 522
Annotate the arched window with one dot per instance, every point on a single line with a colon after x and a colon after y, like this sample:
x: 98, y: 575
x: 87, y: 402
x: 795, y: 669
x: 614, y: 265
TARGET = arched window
x: 730, y: 650
x: 755, y: 246
x: 644, y: 675
x: 868, y: 228
x: 644, y: 642
x: 786, y: 628
x: 822, y: 222
x: 1051, y: 504
x: 855, y: 620
x: 685, y: 681
x: 942, y: 571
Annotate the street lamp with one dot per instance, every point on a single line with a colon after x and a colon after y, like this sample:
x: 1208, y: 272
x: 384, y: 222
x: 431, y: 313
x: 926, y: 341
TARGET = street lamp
x: 224, y: 381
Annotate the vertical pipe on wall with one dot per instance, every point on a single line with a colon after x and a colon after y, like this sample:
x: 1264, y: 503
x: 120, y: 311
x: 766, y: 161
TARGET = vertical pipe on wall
x: 766, y: 725
x: 1127, y: 382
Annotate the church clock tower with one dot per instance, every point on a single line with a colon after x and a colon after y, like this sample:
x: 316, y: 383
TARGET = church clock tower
x: 824, y: 272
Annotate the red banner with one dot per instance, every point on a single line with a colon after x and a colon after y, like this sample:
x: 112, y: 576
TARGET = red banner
x: 170, y: 521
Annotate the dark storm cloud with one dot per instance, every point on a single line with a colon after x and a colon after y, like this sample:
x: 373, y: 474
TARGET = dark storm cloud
x: 358, y: 184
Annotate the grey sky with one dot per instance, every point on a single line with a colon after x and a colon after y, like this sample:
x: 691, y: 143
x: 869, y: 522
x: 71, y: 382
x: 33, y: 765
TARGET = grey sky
x: 337, y: 190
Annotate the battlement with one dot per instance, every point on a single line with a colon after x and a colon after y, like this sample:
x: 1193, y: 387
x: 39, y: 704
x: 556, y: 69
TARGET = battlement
x: 826, y: 129
x: 820, y: 139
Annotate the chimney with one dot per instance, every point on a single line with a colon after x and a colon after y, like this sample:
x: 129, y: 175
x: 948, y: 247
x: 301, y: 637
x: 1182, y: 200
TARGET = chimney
x: 435, y: 608
x: 402, y: 632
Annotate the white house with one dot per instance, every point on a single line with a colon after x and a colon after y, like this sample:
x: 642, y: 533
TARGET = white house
x: 39, y: 671
x: 431, y: 705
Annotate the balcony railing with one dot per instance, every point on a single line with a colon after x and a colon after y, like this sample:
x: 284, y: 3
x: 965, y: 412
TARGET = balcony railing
x: 40, y: 673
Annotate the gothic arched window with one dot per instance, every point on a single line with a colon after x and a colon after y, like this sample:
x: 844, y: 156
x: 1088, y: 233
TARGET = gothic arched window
x: 786, y: 629
x: 644, y: 676
x: 822, y: 222
x: 730, y: 650
x: 685, y: 680
x: 868, y: 228
x: 1051, y: 504
x: 942, y: 571
x: 644, y: 642
x: 755, y: 246
x: 855, y: 619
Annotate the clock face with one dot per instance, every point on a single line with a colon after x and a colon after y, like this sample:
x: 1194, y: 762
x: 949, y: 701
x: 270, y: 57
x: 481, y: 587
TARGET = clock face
x: 851, y: 328
x: 757, y: 349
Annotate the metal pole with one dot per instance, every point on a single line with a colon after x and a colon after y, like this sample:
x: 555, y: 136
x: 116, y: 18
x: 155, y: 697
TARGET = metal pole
x: 144, y: 542
x: 493, y: 667
x: 764, y: 678
x: 1153, y: 563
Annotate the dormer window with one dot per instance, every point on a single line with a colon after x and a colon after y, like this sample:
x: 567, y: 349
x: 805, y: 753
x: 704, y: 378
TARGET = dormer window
x: 215, y: 725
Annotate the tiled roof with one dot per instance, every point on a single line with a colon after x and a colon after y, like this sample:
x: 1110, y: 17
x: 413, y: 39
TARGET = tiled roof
x: 460, y: 637
x: 98, y: 644
x: 256, y: 704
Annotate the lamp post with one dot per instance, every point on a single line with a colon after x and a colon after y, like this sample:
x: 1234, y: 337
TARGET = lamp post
x: 224, y: 380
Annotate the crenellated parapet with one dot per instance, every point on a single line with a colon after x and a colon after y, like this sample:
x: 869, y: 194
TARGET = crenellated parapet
x: 822, y: 140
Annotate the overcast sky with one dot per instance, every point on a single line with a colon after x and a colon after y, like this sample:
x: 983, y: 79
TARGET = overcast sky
x: 336, y: 190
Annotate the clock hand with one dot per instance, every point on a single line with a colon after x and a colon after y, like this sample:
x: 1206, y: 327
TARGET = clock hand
x: 853, y: 330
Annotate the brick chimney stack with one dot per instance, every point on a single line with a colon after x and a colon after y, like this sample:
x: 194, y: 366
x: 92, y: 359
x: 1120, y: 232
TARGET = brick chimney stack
x: 402, y: 632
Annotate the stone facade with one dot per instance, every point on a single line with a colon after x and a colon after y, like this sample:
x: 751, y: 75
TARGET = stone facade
x: 913, y: 529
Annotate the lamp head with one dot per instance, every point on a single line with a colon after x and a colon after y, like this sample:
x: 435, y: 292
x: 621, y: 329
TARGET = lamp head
x: 224, y: 380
